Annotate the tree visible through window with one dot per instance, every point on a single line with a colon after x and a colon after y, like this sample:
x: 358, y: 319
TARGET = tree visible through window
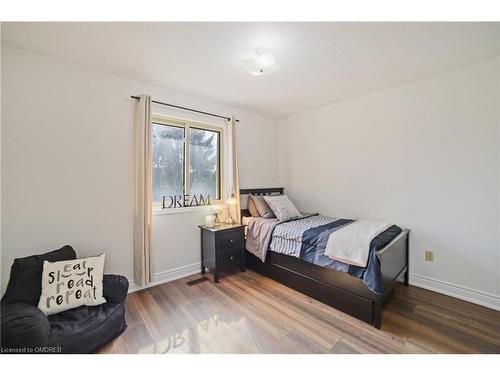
x: 186, y: 160
x: 168, y: 161
x: 203, y: 162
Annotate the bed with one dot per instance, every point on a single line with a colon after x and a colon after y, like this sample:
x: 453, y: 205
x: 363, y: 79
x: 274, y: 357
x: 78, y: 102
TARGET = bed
x: 346, y: 288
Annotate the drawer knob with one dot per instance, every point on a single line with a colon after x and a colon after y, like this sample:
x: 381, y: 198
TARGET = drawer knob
x: 231, y: 240
x: 232, y: 257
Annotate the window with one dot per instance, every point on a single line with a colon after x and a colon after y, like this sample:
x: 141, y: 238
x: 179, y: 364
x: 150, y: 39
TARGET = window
x: 204, y: 162
x: 186, y: 160
x: 168, y: 161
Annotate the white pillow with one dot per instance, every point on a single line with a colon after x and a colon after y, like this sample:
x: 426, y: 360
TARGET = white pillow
x: 71, y: 283
x: 282, y: 207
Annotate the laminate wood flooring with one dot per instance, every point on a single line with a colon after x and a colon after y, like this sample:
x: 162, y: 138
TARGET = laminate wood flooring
x: 250, y: 313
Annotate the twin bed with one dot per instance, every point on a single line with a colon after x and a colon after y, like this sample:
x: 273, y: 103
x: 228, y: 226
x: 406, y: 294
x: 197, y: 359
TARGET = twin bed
x: 294, y: 255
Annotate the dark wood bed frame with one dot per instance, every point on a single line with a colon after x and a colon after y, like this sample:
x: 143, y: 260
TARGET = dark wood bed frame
x: 337, y: 289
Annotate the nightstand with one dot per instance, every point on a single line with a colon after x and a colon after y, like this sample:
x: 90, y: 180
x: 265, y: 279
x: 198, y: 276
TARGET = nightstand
x: 222, y: 247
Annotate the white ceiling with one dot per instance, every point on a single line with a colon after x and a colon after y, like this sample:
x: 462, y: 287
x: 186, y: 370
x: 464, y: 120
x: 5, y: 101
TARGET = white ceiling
x: 319, y: 62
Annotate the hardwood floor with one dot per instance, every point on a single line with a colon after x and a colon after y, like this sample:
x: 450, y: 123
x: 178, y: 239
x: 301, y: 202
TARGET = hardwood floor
x: 249, y: 313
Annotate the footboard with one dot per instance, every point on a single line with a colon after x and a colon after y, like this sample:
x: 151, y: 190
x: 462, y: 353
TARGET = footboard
x: 394, y: 260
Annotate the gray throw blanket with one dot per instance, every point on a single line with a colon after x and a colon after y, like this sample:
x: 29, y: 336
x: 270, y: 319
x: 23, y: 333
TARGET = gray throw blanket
x: 259, y: 236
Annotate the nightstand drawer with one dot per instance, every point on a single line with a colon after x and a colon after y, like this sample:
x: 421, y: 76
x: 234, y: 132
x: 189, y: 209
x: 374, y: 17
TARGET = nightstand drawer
x: 229, y: 258
x: 230, y: 240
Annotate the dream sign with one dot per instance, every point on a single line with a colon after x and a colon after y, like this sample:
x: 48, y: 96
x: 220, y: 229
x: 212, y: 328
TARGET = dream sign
x: 176, y: 201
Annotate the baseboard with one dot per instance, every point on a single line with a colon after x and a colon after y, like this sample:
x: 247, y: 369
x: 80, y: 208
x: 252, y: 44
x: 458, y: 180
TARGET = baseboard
x: 453, y: 290
x: 166, y: 276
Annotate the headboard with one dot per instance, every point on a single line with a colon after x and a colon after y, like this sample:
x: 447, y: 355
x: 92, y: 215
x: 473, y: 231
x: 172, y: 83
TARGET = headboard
x: 258, y: 191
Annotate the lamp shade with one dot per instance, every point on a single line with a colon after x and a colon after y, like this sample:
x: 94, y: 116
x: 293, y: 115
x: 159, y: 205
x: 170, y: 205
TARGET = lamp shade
x: 232, y: 201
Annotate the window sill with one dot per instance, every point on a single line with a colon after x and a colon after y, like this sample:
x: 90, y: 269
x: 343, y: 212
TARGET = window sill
x: 178, y: 210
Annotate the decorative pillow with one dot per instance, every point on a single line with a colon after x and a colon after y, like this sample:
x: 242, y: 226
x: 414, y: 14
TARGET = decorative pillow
x: 71, y: 283
x: 251, y: 206
x: 282, y: 207
x: 261, y: 205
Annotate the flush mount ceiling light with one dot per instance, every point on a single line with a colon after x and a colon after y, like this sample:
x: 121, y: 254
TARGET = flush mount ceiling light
x: 262, y: 63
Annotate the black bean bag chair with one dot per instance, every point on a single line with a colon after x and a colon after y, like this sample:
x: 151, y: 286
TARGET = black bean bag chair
x: 85, y: 329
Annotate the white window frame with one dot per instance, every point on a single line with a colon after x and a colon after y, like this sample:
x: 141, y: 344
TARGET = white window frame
x: 187, y: 125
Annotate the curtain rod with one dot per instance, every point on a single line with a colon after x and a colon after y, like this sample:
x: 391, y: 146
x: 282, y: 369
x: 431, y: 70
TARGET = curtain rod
x: 187, y: 109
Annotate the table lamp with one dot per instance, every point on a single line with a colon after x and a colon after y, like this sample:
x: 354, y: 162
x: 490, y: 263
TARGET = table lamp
x: 230, y: 202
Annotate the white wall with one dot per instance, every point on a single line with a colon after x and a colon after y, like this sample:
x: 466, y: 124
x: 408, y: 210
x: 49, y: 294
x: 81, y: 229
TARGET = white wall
x: 67, y: 164
x: 424, y: 155
x: 498, y: 153
x: 0, y: 149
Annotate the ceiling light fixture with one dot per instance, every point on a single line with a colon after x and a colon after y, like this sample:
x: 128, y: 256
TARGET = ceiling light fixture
x: 262, y: 63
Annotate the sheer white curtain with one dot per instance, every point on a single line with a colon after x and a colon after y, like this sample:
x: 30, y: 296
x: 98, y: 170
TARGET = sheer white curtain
x: 143, y: 270
x: 232, y: 184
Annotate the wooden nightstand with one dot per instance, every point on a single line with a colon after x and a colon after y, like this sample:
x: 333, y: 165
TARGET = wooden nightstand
x: 222, y: 247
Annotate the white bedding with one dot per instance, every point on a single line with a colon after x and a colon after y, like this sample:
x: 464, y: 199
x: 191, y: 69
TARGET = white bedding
x: 351, y: 244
